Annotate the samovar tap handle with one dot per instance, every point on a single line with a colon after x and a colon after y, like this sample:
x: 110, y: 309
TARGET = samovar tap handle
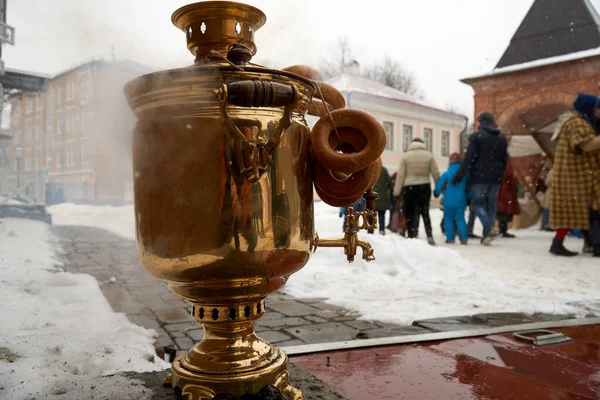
x: 356, y: 220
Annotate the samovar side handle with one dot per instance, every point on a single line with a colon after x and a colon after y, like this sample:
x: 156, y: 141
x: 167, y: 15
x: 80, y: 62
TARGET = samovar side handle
x: 253, y: 159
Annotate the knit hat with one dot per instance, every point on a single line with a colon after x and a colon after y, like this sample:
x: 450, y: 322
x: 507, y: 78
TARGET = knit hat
x: 586, y: 105
x: 486, y: 118
x: 455, y: 158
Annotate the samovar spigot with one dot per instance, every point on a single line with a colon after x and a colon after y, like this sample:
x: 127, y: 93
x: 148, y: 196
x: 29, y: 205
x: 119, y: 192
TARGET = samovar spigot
x: 356, y: 220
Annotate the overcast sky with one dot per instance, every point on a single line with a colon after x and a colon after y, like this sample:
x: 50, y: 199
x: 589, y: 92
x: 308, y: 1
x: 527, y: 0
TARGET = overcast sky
x: 441, y: 41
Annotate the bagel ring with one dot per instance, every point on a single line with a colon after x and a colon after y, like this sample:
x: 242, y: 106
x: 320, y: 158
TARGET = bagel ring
x: 350, y: 140
x: 357, y: 183
x: 332, y: 201
x: 347, y: 163
x: 305, y: 71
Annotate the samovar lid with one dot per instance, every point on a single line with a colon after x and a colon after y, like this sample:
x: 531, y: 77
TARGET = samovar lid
x: 214, y: 25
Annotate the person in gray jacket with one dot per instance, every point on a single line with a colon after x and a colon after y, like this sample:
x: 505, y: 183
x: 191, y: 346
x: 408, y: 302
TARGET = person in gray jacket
x: 415, y: 171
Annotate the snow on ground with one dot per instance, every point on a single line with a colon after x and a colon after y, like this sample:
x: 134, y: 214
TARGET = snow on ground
x: 59, y: 325
x: 411, y: 280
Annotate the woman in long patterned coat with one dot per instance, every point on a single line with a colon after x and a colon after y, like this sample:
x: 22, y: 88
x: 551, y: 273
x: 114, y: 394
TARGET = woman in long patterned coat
x: 575, y: 194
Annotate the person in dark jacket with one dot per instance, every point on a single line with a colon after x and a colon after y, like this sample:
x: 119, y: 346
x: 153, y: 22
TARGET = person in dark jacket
x: 384, y: 188
x: 454, y: 201
x: 485, y: 162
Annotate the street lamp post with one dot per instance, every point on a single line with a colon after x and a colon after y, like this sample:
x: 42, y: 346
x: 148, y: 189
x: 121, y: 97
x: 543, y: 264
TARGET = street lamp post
x: 18, y: 154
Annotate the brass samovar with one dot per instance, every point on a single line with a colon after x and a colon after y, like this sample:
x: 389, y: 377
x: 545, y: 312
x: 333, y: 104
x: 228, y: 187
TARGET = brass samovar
x: 224, y: 165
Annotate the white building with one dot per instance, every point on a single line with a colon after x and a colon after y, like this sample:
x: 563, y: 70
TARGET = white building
x: 403, y: 117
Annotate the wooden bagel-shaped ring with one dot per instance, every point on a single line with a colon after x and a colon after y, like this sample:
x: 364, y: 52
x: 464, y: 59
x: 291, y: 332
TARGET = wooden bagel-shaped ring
x: 332, y: 201
x: 356, y: 184
x: 347, y: 163
x: 305, y: 71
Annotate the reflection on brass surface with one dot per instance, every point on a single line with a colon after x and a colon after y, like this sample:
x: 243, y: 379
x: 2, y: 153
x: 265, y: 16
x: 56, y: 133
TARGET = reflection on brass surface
x: 224, y: 195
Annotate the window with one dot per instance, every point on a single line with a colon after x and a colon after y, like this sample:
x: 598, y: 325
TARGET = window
x: 388, y: 127
x: 70, y: 90
x: 86, y: 88
x: 28, y: 105
x: 84, y: 153
x: 38, y: 129
x: 59, y: 95
x: 38, y: 102
x: 58, y: 159
x: 428, y: 138
x: 28, y: 130
x: 69, y: 122
x: 445, y: 143
x: 84, y: 190
x: 49, y: 111
x: 59, y: 123
x: 48, y: 156
x: 36, y: 162
x: 72, y: 122
x: 407, y: 136
x: 70, y: 158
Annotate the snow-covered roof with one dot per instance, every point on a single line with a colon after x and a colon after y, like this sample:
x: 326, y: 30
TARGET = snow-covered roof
x: 580, y: 55
x: 350, y: 83
x: 568, y: 31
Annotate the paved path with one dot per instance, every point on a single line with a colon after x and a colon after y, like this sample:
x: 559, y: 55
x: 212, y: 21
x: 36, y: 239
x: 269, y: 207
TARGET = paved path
x: 288, y: 321
x: 149, y: 303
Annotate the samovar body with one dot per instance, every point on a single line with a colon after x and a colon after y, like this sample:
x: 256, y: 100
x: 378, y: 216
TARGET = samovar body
x: 221, y: 237
x: 223, y: 186
x: 201, y: 224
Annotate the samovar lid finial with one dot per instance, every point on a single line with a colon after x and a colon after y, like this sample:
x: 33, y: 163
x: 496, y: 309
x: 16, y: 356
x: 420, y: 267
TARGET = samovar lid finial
x: 211, y: 26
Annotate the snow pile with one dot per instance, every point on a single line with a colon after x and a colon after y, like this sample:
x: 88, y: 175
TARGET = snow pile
x: 119, y: 220
x: 411, y: 280
x: 57, y: 328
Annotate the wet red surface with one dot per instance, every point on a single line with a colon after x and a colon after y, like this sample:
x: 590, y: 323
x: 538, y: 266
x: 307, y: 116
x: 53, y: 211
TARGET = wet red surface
x: 497, y: 367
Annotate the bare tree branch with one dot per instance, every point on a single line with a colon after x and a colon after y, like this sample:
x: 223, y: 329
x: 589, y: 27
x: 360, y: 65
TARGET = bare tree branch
x: 388, y: 71
x: 341, y: 57
x: 391, y: 73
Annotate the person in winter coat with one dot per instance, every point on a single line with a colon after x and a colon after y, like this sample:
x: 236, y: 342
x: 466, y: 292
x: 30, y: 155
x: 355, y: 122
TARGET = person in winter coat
x: 485, y: 162
x: 508, y: 202
x: 416, y: 168
x: 385, y: 189
x: 454, y: 201
x: 575, y: 194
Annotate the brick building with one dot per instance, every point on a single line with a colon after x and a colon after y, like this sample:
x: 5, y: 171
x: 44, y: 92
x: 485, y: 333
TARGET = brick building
x: 553, y: 56
x: 71, y: 142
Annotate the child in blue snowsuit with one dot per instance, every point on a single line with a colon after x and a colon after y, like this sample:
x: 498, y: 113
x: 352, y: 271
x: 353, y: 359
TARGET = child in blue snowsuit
x: 454, y: 201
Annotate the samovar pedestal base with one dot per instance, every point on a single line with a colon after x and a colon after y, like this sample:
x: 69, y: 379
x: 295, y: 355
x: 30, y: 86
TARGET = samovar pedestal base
x: 231, y: 359
x: 201, y: 386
